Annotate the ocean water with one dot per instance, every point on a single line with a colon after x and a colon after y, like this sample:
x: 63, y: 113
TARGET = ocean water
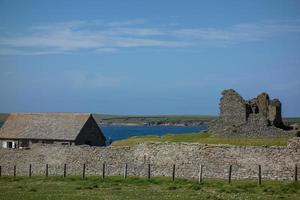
x: 123, y: 132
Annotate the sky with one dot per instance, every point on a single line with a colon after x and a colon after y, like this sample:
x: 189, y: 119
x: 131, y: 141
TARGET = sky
x: 147, y: 57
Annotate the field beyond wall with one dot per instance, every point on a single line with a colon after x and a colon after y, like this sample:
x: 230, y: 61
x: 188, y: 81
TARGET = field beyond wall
x: 205, y: 138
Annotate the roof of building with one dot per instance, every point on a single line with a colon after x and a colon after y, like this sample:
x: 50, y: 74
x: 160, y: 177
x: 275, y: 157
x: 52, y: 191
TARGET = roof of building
x: 48, y: 126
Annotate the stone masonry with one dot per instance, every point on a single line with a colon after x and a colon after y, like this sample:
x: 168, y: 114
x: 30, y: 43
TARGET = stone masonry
x: 278, y: 163
x: 260, y: 116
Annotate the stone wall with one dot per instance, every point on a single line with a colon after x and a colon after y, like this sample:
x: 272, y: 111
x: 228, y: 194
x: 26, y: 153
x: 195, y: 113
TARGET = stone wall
x: 277, y: 162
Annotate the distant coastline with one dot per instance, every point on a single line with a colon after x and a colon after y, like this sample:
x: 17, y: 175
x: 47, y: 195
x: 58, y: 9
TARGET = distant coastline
x: 151, y: 124
x: 155, y: 120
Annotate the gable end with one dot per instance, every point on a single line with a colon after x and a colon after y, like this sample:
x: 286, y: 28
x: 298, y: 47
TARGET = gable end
x: 90, y: 134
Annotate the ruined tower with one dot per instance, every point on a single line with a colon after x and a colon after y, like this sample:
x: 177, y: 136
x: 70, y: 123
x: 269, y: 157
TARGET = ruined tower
x: 258, y: 116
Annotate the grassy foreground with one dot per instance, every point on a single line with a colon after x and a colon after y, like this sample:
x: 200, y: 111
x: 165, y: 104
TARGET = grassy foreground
x: 205, y: 138
x: 139, y: 188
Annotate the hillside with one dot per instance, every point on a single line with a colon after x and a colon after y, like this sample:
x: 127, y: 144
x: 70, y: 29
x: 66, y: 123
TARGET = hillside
x: 153, y: 119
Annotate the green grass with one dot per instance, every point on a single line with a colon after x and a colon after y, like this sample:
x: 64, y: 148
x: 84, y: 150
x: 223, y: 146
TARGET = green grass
x: 292, y: 119
x: 140, y: 188
x: 204, y: 138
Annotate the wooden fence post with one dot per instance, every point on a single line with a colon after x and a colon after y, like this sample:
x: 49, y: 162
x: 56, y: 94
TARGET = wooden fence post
x: 47, y: 170
x: 296, y: 173
x: 15, y: 170
x: 29, y: 170
x: 65, y: 170
x: 229, y: 174
x: 125, y: 171
x: 173, y: 173
x: 149, y: 171
x: 83, y: 171
x: 259, y: 174
x: 200, y: 179
x: 103, y: 170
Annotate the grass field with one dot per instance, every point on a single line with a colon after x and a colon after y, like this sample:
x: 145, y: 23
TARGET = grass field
x: 140, y: 188
x: 292, y: 119
x: 204, y: 138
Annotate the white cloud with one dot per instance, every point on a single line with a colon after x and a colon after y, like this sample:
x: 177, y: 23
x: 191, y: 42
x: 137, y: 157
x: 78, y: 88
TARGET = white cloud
x: 106, y: 50
x: 14, y: 51
x: 127, y: 23
x: 100, y: 37
x: 138, y: 31
x: 240, y: 32
x: 82, y: 79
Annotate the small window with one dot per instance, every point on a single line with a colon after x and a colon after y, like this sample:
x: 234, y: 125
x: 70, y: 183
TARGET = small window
x: 9, y: 145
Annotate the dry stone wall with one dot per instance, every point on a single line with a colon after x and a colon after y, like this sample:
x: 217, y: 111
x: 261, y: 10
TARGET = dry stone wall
x: 277, y: 162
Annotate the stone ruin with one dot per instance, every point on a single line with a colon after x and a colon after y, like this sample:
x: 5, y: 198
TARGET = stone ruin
x: 260, y: 116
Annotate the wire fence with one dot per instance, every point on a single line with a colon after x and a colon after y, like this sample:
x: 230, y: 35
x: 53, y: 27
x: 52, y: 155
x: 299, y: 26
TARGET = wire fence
x: 147, y: 170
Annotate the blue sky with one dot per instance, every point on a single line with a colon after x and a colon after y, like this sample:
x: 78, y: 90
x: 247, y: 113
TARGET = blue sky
x: 146, y: 57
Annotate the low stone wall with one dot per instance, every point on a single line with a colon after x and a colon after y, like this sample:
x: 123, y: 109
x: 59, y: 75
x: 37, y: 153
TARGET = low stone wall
x: 278, y: 163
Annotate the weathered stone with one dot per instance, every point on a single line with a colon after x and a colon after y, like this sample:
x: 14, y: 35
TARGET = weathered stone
x: 262, y: 102
x: 256, y: 117
x: 294, y: 143
x: 274, y: 114
x: 233, y: 108
x: 277, y: 162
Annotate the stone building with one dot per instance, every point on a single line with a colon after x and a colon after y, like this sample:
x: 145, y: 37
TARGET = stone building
x: 21, y: 130
x: 256, y: 117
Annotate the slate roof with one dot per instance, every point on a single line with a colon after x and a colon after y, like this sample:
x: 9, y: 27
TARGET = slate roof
x: 48, y: 126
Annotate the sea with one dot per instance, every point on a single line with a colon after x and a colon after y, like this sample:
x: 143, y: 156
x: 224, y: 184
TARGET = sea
x: 122, y: 132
